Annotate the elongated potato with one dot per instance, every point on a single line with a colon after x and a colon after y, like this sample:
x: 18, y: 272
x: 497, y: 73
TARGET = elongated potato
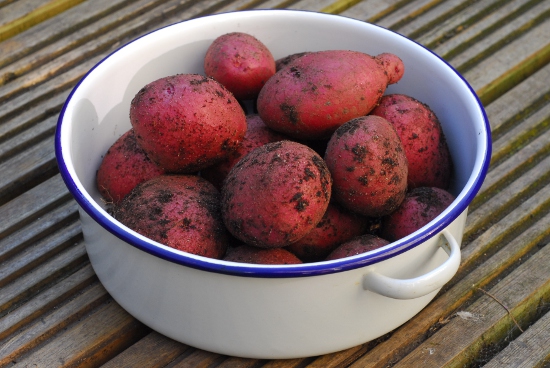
x: 316, y: 93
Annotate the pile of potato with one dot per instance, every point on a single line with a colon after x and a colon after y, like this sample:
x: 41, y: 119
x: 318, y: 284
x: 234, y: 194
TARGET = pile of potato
x: 325, y: 166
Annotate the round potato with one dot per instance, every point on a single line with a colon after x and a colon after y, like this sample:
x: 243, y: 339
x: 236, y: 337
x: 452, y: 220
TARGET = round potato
x: 250, y: 254
x: 187, y: 122
x: 368, y: 166
x: 276, y: 194
x: 240, y: 62
x: 180, y: 211
x: 361, y: 244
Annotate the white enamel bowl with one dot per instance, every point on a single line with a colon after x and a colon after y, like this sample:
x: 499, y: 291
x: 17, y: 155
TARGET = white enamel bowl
x: 253, y: 310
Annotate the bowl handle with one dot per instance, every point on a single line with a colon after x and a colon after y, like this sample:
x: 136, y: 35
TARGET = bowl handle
x: 421, y: 285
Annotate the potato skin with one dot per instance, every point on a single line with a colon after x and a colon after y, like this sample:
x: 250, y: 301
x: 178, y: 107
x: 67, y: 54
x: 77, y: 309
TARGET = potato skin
x: 257, y: 134
x: 319, y: 91
x: 255, y: 255
x: 124, y: 166
x: 337, y: 226
x: 187, y: 122
x: 276, y: 194
x: 361, y: 244
x: 240, y: 62
x: 180, y: 211
x: 368, y: 166
x: 420, y: 131
x: 420, y: 206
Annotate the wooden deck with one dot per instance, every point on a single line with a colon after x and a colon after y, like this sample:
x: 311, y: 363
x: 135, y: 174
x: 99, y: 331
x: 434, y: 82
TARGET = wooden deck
x: 494, y: 313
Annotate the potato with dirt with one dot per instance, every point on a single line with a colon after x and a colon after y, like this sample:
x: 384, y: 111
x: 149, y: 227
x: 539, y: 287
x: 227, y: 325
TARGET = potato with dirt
x: 420, y: 131
x: 240, y: 62
x: 255, y: 255
x: 180, y: 211
x: 420, y: 206
x: 187, y: 122
x: 317, y: 92
x: 276, y: 194
x: 368, y: 166
x: 257, y: 134
x: 124, y: 166
x: 361, y: 244
x: 337, y: 226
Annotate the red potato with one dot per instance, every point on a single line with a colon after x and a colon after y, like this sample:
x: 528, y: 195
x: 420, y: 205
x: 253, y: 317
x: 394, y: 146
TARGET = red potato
x: 421, y: 205
x: 368, y: 166
x: 276, y: 194
x: 180, y: 211
x: 187, y: 122
x: 337, y: 226
x: 257, y: 134
x: 240, y: 62
x: 420, y: 131
x: 362, y: 244
x: 282, y: 62
x: 319, y: 91
x: 124, y: 166
x: 251, y: 254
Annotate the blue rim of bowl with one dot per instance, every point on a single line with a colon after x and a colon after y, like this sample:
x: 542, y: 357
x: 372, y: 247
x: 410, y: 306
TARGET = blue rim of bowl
x: 268, y: 271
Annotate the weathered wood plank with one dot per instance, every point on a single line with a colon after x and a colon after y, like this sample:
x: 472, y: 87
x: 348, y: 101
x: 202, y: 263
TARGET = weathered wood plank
x: 233, y: 362
x: 27, y: 169
x: 46, y: 300
x: 519, y: 101
x: 405, y: 13
x: 199, y: 359
x: 52, y: 29
x: 32, y: 204
x: 44, y: 129
x: 152, y: 351
x: 29, y: 284
x: 19, y: 9
x: 38, y: 14
x: 459, y: 342
x: 36, y: 254
x: 90, y: 342
x: 41, y: 227
x: 48, y: 326
x: 373, y: 10
x: 405, y: 338
x: 530, y: 349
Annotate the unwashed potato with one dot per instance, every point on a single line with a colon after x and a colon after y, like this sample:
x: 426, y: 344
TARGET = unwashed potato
x: 187, y: 122
x: 420, y: 131
x: 361, y: 244
x: 337, y: 226
x: 420, y: 206
x: 319, y: 91
x: 257, y: 134
x: 276, y: 194
x: 124, y: 166
x: 368, y: 166
x: 180, y: 211
x: 255, y: 255
x: 240, y: 62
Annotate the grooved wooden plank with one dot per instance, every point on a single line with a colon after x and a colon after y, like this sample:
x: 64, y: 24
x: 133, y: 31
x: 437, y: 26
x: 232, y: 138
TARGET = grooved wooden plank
x: 32, y: 204
x: 512, y: 168
x: 79, y: 37
x: 311, y: 5
x: 339, y: 6
x: 508, y: 198
x: 49, y: 325
x: 233, y: 362
x: 18, y: 9
x: 152, y: 351
x: 91, y: 341
x: 406, y: 13
x: 46, y: 300
x: 36, y: 254
x: 521, y: 292
x: 530, y: 349
x: 52, y: 29
x: 372, y: 10
x: 47, y: 10
x: 39, y: 228
x: 403, y: 340
x: 460, y: 38
x: 29, y: 284
x: 499, y: 38
x: 512, y: 105
x: 21, y: 172
x: 340, y: 359
x: 44, y: 129
x: 199, y: 359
